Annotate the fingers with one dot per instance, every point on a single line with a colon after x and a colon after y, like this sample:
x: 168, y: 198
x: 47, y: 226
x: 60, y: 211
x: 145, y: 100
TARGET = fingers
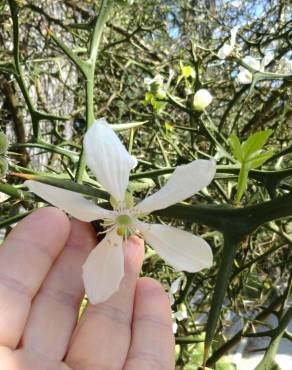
x: 152, y: 345
x: 55, y: 308
x: 25, y: 259
x: 102, y: 337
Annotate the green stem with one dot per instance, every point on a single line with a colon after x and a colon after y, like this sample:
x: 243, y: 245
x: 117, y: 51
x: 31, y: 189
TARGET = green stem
x: 48, y: 147
x: 242, y: 182
x: 105, y: 8
x: 93, y: 50
x: 18, y: 69
x: 13, y: 191
x: 269, y: 358
x: 13, y: 219
x: 227, y: 346
x: 240, y: 221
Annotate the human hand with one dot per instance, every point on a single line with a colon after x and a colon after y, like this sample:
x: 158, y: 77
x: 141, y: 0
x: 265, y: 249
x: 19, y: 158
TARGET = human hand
x: 40, y: 293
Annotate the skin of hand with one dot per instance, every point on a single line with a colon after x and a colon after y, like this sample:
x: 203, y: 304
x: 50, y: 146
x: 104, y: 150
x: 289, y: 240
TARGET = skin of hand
x: 40, y: 293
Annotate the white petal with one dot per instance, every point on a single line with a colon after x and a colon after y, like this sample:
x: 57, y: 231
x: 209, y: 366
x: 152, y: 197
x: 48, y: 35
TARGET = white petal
x: 185, y: 181
x: 69, y: 201
x: 104, y: 268
x: 224, y: 51
x: 244, y: 77
x: 108, y: 159
x: 182, y: 250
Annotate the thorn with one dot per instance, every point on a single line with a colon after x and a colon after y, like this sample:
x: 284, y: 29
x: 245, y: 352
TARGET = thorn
x: 22, y: 175
x: 49, y: 31
x: 205, y: 358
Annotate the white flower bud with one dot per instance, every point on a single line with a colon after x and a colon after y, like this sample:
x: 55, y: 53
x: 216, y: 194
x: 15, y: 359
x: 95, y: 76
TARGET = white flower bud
x: 202, y: 99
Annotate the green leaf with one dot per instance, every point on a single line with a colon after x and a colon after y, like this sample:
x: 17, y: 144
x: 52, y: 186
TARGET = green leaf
x: 168, y: 127
x: 187, y: 71
x: 148, y: 97
x: 258, y: 159
x: 255, y: 142
x: 235, y: 147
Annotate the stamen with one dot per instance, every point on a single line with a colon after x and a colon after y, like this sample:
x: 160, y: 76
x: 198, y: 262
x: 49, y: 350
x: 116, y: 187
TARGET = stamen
x: 107, y: 230
x: 126, y: 238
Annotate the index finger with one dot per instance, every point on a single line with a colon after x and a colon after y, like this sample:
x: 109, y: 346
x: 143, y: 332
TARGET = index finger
x: 25, y: 259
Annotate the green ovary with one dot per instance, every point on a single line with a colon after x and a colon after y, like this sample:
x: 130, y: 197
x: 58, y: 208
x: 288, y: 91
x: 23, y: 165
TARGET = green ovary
x: 123, y: 221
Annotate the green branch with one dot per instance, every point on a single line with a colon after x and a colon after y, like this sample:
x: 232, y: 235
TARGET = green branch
x: 36, y: 116
x: 93, y: 50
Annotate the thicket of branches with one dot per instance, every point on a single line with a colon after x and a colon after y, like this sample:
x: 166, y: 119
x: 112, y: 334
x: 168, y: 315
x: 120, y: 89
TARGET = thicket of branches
x: 64, y: 63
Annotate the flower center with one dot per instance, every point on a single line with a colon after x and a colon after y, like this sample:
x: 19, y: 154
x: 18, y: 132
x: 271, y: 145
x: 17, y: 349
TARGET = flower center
x: 123, y: 221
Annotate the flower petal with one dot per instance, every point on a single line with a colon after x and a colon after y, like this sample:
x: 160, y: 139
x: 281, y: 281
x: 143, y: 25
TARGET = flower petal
x: 69, y: 201
x: 104, y: 268
x: 185, y: 181
x: 181, y: 249
x: 108, y: 159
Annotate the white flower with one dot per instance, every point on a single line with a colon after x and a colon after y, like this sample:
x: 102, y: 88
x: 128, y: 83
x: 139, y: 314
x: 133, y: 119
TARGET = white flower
x: 202, y: 99
x: 111, y: 164
x: 226, y: 49
x: 245, y: 76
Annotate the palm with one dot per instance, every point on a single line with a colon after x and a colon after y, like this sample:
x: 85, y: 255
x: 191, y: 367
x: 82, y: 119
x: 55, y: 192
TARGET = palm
x: 40, y: 293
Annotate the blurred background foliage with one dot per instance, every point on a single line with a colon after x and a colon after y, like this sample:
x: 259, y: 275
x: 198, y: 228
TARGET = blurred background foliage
x: 44, y: 114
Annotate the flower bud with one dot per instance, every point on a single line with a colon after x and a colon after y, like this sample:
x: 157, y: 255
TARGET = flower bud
x: 202, y: 99
x: 3, y: 143
x: 3, y: 167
